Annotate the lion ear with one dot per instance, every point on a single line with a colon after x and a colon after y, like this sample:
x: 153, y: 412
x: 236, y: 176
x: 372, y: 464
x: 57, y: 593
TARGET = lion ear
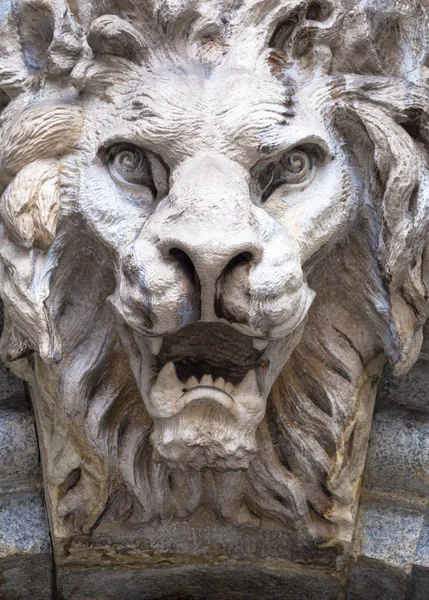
x: 30, y: 205
x: 39, y: 131
x: 111, y: 35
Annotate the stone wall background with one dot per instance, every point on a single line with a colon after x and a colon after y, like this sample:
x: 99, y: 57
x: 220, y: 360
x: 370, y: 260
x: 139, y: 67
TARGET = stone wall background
x: 392, y: 537
x: 25, y: 547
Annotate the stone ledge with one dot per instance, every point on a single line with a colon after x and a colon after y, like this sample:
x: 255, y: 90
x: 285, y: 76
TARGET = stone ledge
x: 196, y: 583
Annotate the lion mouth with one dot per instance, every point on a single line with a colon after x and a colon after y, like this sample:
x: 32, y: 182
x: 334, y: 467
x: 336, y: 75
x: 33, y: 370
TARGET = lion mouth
x: 209, y: 348
x: 205, y: 388
x: 206, y: 363
x: 202, y: 388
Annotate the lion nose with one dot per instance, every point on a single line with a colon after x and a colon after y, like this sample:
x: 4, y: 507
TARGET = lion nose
x: 194, y: 257
x: 210, y: 262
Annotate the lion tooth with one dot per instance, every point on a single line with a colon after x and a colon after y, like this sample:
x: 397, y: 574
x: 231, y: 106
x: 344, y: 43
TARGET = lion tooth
x: 155, y: 344
x: 247, y: 396
x: 260, y: 344
x: 165, y: 392
x: 192, y: 382
x: 229, y: 387
x: 220, y: 383
x: 249, y: 385
x: 206, y: 380
x: 167, y: 375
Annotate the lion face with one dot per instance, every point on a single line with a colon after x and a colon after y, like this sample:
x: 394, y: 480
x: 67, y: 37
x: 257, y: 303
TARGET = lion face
x: 213, y: 233
x: 213, y: 211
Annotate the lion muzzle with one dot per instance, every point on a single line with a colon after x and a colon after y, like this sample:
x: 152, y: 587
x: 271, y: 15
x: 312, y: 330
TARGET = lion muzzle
x: 209, y: 290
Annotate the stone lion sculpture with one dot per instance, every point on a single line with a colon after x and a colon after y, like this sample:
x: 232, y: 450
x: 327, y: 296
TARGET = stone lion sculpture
x: 214, y: 229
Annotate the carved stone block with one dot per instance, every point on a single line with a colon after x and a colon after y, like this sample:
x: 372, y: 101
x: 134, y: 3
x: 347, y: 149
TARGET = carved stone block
x: 213, y: 236
x: 198, y: 582
x: 11, y: 390
x: 19, y: 457
x: 398, y: 457
x: 25, y: 548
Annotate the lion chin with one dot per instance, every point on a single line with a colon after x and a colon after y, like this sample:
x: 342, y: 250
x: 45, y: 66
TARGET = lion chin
x: 204, y: 435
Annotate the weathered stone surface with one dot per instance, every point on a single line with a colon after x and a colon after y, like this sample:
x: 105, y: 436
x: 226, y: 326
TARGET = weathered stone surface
x: 214, y: 224
x: 23, y: 524
x: 11, y: 390
x: 26, y: 577
x: 19, y: 455
x: 390, y: 533
x: 205, y: 367
x: 198, y: 583
x: 25, y: 551
x: 398, y: 454
x: 419, y: 584
x: 422, y: 555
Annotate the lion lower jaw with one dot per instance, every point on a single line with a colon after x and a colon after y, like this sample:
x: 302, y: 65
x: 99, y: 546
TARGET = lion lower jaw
x: 205, y: 426
x: 203, y: 436
x: 168, y: 397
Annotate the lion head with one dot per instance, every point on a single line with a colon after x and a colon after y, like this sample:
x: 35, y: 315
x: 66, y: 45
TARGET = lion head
x: 214, y: 227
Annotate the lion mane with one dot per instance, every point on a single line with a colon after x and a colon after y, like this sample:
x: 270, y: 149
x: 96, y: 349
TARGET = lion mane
x: 372, y: 288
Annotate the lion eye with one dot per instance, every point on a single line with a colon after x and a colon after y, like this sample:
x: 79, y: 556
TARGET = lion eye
x: 295, y: 168
x: 131, y: 165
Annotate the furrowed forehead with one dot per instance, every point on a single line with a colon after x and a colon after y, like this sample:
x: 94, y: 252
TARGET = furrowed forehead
x: 182, y: 111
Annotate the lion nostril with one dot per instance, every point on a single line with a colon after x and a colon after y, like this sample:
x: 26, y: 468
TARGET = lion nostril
x: 232, y: 289
x: 180, y: 257
x: 241, y: 259
x: 187, y: 266
x: 178, y: 254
